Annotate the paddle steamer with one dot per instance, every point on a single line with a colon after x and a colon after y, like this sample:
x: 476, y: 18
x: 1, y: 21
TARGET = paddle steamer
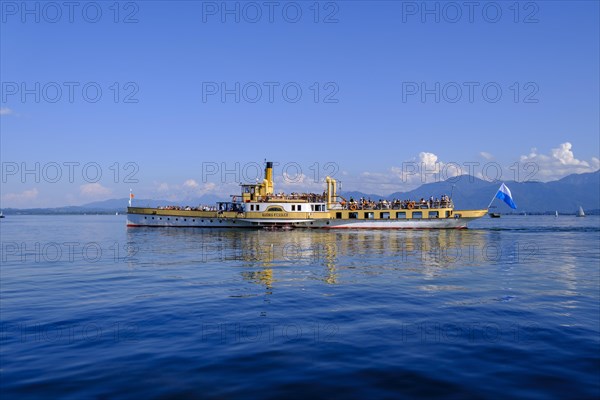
x: 259, y: 207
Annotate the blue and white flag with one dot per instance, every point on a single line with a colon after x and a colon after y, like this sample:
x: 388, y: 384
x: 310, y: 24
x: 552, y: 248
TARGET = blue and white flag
x: 505, y: 195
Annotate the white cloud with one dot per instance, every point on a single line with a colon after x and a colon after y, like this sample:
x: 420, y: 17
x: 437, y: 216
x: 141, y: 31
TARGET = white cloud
x: 94, y: 190
x: 429, y: 161
x: 559, y: 163
x: 6, y: 111
x: 428, y: 167
x: 565, y: 156
x: 18, y: 198
x: 163, y: 187
x: 208, y: 187
x: 425, y: 168
x: 298, y: 183
x: 486, y: 155
x: 190, y: 184
x: 191, y: 188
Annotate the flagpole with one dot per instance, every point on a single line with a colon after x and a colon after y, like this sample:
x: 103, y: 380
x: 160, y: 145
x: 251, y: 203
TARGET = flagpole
x: 493, y: 198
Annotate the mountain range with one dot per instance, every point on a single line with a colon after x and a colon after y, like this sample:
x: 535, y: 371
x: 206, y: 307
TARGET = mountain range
x: 565, y: 195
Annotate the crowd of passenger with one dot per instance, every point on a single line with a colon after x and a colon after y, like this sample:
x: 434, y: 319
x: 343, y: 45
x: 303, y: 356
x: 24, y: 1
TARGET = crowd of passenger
x: 361, y: 204
x: 367, y: 204
x: 310, y: 197
x: 220, y: 207
x: 188, y: 208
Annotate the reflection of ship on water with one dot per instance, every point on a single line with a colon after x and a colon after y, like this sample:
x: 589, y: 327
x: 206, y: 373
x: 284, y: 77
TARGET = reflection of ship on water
x: 272, y: 251
x: 282, y: 258
x: 264, y: 277
x: 270, y: 258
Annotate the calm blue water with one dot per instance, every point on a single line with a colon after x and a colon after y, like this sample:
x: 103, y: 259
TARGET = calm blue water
x: 508, y: 308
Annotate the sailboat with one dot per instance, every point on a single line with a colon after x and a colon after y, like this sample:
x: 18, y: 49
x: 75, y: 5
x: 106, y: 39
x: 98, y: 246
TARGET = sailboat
x: 580, y: 213
x: 556, y: 214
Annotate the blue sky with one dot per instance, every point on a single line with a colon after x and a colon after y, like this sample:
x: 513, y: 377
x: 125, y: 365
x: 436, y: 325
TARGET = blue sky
x: 386, y: 87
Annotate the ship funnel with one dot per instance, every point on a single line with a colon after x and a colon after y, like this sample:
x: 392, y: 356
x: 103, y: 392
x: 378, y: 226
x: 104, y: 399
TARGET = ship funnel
x: 331, y: 190
x: 269, y: 177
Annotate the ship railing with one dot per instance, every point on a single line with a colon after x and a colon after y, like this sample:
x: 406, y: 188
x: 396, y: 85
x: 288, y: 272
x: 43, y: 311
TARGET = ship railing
x: 395, y: 205
x: 308, y: 197
x: 188, y: 208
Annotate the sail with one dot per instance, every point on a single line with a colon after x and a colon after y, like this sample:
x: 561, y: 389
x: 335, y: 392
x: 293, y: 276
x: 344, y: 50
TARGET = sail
x: 580, y: 213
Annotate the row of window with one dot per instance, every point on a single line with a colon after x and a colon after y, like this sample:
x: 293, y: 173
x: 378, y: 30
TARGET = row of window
x: 387, y: 215
x: 185, y: 219
x: 295, y: 207
x: 355, y: 215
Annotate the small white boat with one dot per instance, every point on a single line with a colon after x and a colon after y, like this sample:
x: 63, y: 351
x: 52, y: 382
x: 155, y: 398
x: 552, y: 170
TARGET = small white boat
x: 580, y: 213
x: 556, y: 214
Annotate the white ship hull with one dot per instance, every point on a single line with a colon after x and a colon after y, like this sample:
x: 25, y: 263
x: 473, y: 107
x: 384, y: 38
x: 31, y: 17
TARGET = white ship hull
x: 141, y: 220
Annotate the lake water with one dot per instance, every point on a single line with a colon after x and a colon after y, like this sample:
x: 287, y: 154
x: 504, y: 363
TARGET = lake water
x: 507, y: 308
